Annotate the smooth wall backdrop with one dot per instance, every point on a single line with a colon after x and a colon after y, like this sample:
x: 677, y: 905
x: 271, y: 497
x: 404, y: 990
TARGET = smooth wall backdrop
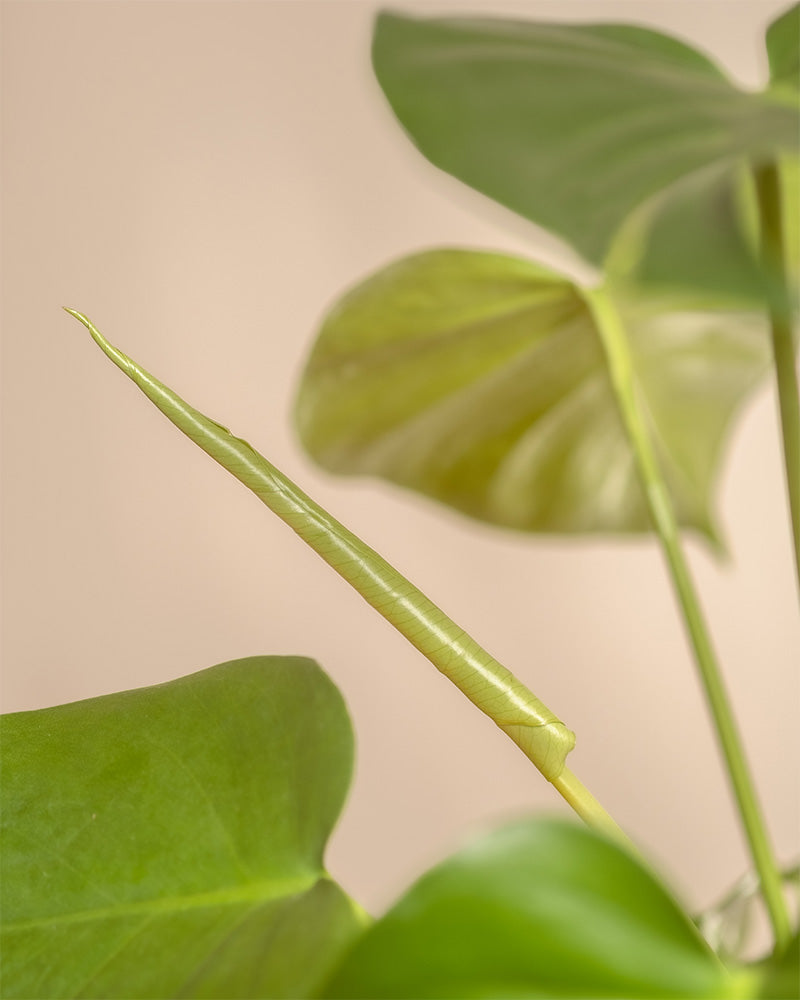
x: 202, y: 179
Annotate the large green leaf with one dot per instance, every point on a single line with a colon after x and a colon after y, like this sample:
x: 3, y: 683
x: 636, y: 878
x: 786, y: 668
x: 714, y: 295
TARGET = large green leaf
x: 572, y: 126
x: 168, y: 841
x: 702, y: 233
x: 542, y: 908
x: 479, y: 379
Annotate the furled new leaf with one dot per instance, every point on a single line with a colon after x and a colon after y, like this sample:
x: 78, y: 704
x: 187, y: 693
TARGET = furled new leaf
x: 571, y: 126
x: 542, y: 908
x: 542, y: 737
x: 479, y: 379
x: 168, y: 841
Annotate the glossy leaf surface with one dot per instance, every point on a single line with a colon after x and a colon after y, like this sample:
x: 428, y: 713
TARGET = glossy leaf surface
x: 168, y: 841
x: 571, y: 126
x: 479, y: 379
x: 542, y: 908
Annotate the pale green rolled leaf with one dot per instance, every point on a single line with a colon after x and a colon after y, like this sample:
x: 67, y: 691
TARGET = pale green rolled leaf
x: 541, y: 908
x: 479, y: 380
x: 168, y: 841
x: 542, y: 737
x: 572, y: 126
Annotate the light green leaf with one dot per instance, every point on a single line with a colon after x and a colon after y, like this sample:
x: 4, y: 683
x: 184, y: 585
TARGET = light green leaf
x: 572, y: 126
x: 538, y: 909
x: 783, y: 49
x: 479, y: 379
x: 168, y: 841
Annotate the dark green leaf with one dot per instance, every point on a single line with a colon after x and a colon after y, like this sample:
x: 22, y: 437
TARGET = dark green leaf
x: 572, y: 126
x: 479, y: 380
x: 168, y: 841
x: 697, y: 237
x: 701, y: 238
x: 781, y: 974
x: 542, y: 908
x: 783, y: 49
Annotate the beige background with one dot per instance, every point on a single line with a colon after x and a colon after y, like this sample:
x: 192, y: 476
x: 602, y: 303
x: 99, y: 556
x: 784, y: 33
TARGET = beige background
x: 202, y: 179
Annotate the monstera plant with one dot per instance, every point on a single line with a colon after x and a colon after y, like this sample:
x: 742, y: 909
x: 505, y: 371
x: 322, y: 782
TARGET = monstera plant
x: 169, y: 841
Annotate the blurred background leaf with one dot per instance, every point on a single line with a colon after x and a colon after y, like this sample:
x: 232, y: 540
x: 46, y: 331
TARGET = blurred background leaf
x: 702, y: 233
x: 478, y: 379
x: 731, y: 925
x: 542, y: 908
x: 576, y: 126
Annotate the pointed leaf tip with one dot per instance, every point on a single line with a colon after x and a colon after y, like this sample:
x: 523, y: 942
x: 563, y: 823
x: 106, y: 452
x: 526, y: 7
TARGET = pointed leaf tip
x: 120, y: 359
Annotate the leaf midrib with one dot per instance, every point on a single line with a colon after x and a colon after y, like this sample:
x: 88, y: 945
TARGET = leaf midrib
x: 253, y: 892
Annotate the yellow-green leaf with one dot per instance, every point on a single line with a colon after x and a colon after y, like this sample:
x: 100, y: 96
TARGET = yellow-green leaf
x: 479, y: 380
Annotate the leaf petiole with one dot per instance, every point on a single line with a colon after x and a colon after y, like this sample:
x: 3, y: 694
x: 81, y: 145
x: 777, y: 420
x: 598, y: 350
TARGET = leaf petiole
x: 659, y: 502
x: 773, y: 252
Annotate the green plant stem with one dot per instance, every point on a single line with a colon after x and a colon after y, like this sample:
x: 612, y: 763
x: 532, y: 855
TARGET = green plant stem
x: 541, y: 736
x: 620, y: 366
x: 773, y: 251
x: 575, y: 793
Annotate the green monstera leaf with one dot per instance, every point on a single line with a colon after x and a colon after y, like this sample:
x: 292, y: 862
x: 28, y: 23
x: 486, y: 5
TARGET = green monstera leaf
x: 168, y: 841
x: 702, y: 233
x: 479, y: 379
x: 576, y: 126
x: 542, y: 908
